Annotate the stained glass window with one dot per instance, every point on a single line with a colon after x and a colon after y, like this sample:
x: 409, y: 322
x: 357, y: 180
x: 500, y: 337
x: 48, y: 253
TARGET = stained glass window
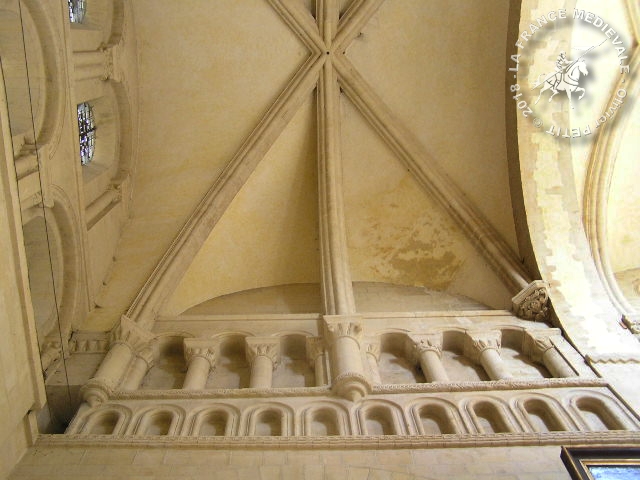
x: 87, y: 130
x: 77, y: 9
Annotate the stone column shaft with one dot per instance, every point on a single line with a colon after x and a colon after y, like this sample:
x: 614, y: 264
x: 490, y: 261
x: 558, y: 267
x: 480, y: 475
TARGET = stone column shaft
x: 316, y: 356
x: 201, y: 357
x: 432, y: 366
x: 263, y: 354
x: 114, y: 364
x: 538, y: 345
x: 344, y: 334
x: 483, y: 347
x: 494, y: 366
x: 557, y: 365
x: 337, y: 289
x: 261, y: 372
x: 427, y: 350
x: 197, y: 373
x: 138, y: 370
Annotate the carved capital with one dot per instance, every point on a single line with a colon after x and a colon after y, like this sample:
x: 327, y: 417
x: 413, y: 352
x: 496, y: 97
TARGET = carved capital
x: 537, y: 342
x: 315, y: 348
x: 263, y: 347
x: 424, y: 343
x: 201, y: 347
x: 130, y: 334
x: 477, y: 342
x: 338, y: 326
x: 372, y: 347
x: 532, y: 303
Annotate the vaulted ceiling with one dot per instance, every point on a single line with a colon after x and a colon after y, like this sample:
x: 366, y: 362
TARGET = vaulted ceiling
x: 229, y: 112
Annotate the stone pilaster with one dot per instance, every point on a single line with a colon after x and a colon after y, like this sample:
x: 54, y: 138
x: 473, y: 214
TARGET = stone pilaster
x: 263, y: 354
x: 483, y: 347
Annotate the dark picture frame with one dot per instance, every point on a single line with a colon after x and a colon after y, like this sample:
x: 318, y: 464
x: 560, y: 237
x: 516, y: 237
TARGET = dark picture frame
x: 602, y: 463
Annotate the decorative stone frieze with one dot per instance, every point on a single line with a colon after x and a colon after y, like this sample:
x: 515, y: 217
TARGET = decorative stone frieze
x: 483, y: 347
x: 532, y: 303
x: 89, y: 342
x: 263, y: 354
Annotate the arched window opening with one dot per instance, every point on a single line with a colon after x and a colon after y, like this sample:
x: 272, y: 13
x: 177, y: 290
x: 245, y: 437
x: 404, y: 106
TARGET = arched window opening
x: 232, y: 369
x: 394, y: 366
x: 294, y: 369
x: 77, y: 10
x: 87, y: 132
x: 598, y: 416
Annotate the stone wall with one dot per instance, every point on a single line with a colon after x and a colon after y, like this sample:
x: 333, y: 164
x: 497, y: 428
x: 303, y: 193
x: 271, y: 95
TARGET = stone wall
x: 111, y: 463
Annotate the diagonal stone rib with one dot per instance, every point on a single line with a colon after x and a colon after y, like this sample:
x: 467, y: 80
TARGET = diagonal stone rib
x: 300, y: 22
x: 184, y: 248
x: 353, y: 21
x: 337, y: 288
x: 409, y: 150
x: 328, y: 15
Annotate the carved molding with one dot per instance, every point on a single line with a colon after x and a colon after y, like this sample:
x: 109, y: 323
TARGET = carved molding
x: 476, y: 342
x: 350, y: 442
x: 89, y: 342
x: 200, y: 347
x: 613, y: 358
x: 263, y: 347
x: 337, y: 326
x: 302, y: 392
x: 532, y: 303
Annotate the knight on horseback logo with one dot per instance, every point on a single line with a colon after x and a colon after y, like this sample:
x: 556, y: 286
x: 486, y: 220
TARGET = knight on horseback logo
x: 566, y: 77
